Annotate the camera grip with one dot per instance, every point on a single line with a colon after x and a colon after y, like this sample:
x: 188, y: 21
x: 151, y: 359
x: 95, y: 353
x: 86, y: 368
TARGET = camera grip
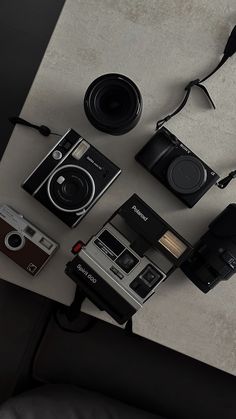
x: 154, y: 150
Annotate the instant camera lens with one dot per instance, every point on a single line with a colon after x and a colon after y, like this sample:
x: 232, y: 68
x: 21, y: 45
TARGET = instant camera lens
x: 14, y: 240
x: 71, y: 188
x: 113, y: 104
x: 150, y: 276
x: 127, y: 261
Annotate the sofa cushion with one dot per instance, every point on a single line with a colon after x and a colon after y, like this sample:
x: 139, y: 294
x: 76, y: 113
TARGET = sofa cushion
x: 68, y: 402
x: 135, y: 370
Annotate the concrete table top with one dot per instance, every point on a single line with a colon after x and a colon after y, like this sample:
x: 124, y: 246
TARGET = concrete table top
x: 161, y: 45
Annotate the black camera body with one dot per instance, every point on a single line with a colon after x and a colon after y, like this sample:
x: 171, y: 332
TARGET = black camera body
x: 177, y: 167
x: 71, y: 178
x: 214, y: 256
x: 122, y: 265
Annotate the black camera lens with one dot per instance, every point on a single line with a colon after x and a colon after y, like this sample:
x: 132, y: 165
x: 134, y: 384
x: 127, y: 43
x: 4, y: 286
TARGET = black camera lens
x: 113, y: 104
x: 127, y: 261
x: 71, y: 188
x: 186, y: 174
x: 151, y: 276
x: 14, y: 241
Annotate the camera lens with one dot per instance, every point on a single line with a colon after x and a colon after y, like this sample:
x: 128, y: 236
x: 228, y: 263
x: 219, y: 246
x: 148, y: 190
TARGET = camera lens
x: 186, y: 174
x: 14, y: 241
x: 71, y: 188
x: 113, y: 104
x: 127, y: 261
x: 150, y: 276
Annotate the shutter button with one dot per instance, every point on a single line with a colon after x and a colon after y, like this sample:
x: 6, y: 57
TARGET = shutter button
x: 57, y: 155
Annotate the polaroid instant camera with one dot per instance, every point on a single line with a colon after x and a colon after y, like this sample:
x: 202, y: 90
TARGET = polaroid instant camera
x: 127, y: 260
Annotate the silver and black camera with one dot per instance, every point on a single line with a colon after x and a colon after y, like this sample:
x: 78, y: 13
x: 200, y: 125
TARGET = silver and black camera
x: 71, y: 178
x: 124, y: 263
x: 24, y: 243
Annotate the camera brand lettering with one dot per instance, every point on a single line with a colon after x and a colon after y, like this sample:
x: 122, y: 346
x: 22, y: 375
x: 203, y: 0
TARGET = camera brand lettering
x: 86, y: 273
x: 139, y: 213
x: 185, y: 148
x: 93, y: 162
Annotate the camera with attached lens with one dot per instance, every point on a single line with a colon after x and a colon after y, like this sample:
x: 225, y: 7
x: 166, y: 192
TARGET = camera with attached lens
x: 126, y: 261
x: 24, y: 243
x: 214, y: 256
x: 177, y: 167
x: 71, y: 178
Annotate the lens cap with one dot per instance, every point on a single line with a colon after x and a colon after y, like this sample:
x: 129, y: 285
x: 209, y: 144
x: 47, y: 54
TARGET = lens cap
x: 113, y: 104
x: 186, y: 174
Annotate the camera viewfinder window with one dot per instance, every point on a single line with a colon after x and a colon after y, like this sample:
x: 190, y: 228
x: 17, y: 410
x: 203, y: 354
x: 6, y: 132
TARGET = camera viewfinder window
x: 173, y: 244
x: 46, y: 243
x: 30, y: 231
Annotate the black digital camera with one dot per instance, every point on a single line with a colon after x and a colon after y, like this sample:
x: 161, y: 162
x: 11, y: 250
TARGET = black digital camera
x: 71, y: 178
x: 177, y: 167
x: 214, y: 256
x: 126, y: 261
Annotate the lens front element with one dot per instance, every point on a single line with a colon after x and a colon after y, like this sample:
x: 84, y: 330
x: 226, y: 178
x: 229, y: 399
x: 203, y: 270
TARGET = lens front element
x: 113, y: 104
x: 14, y: 241
x: 71, y: 188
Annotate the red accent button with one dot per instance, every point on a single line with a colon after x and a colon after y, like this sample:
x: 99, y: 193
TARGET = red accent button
x: 77, y: 247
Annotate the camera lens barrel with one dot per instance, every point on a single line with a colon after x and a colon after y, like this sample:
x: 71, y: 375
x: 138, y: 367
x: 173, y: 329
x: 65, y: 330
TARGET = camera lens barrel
x: 14, y: 241
x: 113, y: 104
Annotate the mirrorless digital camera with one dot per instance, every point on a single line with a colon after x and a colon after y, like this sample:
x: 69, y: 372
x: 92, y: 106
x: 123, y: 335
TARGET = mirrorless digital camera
x: 24, y: 243
x: 214, y: 256
x: 71, y: 178
x: 177, y: 167
x: 127, y: 260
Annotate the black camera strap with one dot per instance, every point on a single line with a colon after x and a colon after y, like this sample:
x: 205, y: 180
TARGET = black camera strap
x: 42, y: 129
x: 229, y: 50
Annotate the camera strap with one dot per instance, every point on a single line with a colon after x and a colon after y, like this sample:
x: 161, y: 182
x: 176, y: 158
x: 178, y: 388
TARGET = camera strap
x: 225, y: 181
x: 42, y: 129
x: 229, y: 50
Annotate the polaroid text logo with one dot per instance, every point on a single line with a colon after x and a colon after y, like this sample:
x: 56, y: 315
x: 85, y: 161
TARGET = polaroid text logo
x: 139, y: 213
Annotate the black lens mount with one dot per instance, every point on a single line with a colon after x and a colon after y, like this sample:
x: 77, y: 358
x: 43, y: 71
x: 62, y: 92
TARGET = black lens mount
x: 113, y: 104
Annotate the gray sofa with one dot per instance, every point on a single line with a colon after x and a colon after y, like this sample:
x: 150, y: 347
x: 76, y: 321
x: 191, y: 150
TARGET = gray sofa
x: 87, y: 369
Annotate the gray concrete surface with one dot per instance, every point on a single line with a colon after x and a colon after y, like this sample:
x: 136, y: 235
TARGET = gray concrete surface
x: 161, y: 45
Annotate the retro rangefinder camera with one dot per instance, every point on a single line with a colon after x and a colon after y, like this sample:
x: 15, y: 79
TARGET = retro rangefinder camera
x: 124, y: 263
x: 24, y: 243
x: 71, y: 178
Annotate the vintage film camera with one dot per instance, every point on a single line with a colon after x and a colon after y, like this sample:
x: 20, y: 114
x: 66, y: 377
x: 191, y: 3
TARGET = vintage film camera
x: 24, y: 243
x: 124, y: 263
x: 177, y: 167
x: 71, y: 178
